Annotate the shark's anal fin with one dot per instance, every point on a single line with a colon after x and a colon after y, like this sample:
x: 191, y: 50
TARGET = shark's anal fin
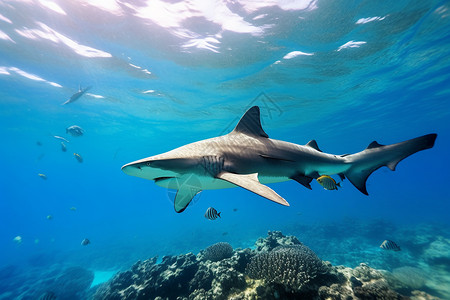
x: 303, y: 180
x: 250, y: 182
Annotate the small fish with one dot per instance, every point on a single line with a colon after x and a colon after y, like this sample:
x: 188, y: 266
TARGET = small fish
x: 43, y: 176
x: 61, y: 138
x: 328, y: 183
x: 38, y: 143
x: 77, y: 95
x: 73, y: 208
x: 49, y: 217
x: 212, y: 214
x: 47, y: 296
x: 85, y: 242
x: 390, y: 245
x: 75, y: 130
x: 36, y: 241
x: 78, y: 157
x: 18, y: 239
x: 63, y: 147
x: 235, y: 209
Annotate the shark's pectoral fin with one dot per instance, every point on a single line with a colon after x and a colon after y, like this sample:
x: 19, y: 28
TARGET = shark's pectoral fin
x: 303, y: 180
x: 250, y: 182
x: 184, y: 196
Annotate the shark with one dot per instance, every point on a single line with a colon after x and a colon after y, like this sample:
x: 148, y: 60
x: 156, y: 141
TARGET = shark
x: 246, y: 157
x: 77, y: 95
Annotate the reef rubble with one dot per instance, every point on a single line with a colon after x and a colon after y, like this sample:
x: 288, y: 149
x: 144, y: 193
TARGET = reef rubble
x: 279, y: 267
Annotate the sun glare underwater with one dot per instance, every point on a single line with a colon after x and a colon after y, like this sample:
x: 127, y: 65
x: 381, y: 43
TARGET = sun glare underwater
x: 94, y: 91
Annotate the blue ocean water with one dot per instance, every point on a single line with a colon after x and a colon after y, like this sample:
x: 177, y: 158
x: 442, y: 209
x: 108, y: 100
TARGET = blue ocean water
x: 168, y: 73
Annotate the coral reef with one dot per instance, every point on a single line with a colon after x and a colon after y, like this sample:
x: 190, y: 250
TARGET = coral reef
x: 280, y: 267
x: 218, y: 251
x: 293, y: 266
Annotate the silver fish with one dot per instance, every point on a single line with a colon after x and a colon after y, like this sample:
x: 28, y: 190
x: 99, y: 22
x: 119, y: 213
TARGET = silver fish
x: 61, y: 138
x: 85, y: 242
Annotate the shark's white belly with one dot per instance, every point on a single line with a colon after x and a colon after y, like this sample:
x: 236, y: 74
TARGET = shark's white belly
x: 209, y: 183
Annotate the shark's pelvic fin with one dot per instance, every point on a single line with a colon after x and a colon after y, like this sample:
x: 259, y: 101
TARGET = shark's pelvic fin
x: 303, y: 180
x: 376, y: 156
x: 250, y: 182
x: 184, y: 196
x: 250, y: 123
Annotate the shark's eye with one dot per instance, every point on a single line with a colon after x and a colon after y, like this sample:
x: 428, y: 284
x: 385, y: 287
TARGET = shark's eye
x: 148, y: 164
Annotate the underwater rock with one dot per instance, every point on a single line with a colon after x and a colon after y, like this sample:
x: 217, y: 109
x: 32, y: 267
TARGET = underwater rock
x: 288, y: 270
x: 273, y: 240
x: 438, y: 253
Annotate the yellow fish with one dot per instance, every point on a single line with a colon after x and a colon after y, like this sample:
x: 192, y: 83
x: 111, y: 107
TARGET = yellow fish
x: 43, y: 176
x: 328, y: 183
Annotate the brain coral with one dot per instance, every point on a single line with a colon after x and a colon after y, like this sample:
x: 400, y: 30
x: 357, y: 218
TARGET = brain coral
x: 218, y: 251
x: 293, y: 266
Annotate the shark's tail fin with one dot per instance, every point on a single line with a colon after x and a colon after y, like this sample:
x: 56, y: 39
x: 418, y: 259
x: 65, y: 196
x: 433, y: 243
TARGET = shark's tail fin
x: 376, y: 156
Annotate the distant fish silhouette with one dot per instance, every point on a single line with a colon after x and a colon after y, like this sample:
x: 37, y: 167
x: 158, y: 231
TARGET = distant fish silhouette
x: 38, y: 143
x: 78, y: 157
x: 43, y: 176
x: 47, y: 296
x: 77, y: 95
x: 63, y: 147
x: 211, y: 214
x: 75, y: 130
x: 73, y: 208
x: 18, y: 239
x: 49, y: 217
x: 389, y: 245
x: 85, y: 242
x: 60, y: 138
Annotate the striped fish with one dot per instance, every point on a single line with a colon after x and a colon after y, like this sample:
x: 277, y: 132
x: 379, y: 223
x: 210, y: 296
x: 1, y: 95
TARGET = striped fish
x: 48, y: 296
x: 328, y: 182
x: 390, y: 245
x: 211, y: 214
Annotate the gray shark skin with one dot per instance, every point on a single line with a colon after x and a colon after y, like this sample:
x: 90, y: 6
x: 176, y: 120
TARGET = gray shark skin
x: 77, y: 95
x: 246, y: 157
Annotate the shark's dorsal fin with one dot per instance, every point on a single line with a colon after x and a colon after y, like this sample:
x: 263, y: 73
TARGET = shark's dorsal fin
x: 250, y: 182
x: 374, y: 144
x: 313, y: 144
x: 250, y: 123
